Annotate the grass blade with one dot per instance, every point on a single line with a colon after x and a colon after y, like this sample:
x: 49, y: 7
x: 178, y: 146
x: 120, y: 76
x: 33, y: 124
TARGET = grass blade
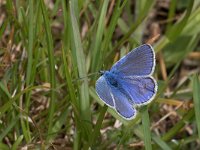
x: 17, y: 142
x: 9, y: 127
x: 196, y: 99
x: 80, y: 58
x: 177, y: 127
x: 146, y: 128
x: 176, y: 30
x: 99, y: 36
x: 142, y: 16
x: 49, y: 41
x: 113, y: 23
x: 96, y: 131
x: 161, y: 143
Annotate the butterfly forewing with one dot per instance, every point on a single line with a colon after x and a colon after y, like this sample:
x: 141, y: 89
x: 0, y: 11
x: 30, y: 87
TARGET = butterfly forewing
x: 138, y: 62
x: 104, y: 92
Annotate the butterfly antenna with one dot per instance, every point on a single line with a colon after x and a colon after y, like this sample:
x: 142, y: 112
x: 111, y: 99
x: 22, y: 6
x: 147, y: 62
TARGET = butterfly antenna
x: 91, y: 74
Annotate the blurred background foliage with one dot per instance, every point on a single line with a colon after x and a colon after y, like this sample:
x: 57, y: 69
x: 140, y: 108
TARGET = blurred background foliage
x: 49, y: 49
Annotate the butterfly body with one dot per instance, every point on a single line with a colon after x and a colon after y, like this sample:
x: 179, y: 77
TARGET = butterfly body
x: 129, y: 82
x: 116, y: 81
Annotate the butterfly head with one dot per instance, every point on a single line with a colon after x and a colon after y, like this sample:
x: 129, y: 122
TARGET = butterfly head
x: 101, y: 72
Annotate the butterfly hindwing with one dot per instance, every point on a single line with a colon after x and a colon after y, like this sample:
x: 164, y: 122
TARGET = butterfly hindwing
x: 138, y: 62
x: 113, y: 97
x: 122, y: 104
x: 141, y: 90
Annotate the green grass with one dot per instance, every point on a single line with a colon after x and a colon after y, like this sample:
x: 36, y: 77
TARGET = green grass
x: 48, y: 50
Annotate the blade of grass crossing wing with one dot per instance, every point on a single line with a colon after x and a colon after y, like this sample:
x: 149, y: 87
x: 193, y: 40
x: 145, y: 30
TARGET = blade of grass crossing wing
x: 196, y: 99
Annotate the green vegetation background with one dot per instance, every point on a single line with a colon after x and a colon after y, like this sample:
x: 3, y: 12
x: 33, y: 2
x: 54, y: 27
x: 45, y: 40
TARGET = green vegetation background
x: 47, y: 51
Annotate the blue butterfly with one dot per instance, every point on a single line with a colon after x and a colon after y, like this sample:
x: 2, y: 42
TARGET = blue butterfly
x: 129, y: 82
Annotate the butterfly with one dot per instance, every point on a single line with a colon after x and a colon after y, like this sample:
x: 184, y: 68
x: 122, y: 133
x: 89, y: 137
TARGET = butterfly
x: 129, y: 83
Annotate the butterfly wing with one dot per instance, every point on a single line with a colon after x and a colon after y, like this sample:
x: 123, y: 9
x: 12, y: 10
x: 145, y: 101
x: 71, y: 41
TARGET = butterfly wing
x: 122, y: 104
x: 104, y: 92
x: 141, y: 90
x: 138, y: 62
x: 114, y: 98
